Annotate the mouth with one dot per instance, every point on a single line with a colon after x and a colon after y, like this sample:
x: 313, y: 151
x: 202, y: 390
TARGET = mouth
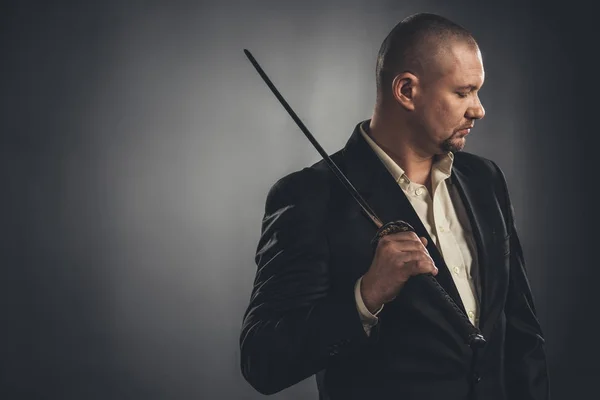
x: 465, y: 131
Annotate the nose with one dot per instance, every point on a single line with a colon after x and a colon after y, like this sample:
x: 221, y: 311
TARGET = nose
x: 476, y: 111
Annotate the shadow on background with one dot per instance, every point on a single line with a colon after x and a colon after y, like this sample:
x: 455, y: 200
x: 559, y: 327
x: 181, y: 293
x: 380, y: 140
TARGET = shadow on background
x: 138, y: 145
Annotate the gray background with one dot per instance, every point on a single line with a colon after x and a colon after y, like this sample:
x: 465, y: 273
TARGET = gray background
x: 138, y: 145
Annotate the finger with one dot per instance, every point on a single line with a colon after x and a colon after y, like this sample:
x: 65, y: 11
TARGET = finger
x: 420, y: 264
x: 403, y: 246
x: 401, y: 236
x: 406, y: 244
x: 424, y: 267
x: 424, y: 241
x: 405, y: 257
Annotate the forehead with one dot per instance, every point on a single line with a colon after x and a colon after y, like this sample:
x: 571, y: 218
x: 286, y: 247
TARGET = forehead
x: 461, y: 63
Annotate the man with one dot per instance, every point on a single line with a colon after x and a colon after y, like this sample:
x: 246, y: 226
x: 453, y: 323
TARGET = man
x: 326, y: 303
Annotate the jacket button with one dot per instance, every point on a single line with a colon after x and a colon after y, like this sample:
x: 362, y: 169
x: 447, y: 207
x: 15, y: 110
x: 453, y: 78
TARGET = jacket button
x: 334, y: 349
x: 476, y: 378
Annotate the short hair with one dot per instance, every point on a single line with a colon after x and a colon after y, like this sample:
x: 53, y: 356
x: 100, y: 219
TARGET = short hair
x: 413, y: 43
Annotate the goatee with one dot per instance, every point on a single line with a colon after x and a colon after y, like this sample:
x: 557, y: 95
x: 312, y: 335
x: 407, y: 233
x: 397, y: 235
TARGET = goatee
x: 450, y: 145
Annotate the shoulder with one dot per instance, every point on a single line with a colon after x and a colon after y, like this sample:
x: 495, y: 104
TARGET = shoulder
x: 477, y: 166
x: 487, y: 173
x: 308, y: 187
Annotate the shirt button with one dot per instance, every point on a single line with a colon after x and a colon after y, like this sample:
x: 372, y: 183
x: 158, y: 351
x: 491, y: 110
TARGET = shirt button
x: 471, y: 314
x: 419, y: 191
x: 456, y: 270
x: 442, y: 229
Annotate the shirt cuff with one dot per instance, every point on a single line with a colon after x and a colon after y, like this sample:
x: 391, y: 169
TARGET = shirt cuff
x: 368, y: 319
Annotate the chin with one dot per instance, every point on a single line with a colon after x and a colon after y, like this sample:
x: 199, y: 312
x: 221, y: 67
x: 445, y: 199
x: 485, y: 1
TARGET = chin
x: 453, y: 145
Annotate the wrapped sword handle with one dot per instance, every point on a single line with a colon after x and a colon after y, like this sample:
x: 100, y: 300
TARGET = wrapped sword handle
x: 472, y: 335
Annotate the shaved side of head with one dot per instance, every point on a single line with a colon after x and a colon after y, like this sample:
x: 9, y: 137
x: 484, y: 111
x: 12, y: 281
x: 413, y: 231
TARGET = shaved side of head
x: 416, y: 45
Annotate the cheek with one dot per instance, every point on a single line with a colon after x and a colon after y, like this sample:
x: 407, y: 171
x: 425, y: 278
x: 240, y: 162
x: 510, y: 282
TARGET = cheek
x: 440, y: 116
x: 449, y: 116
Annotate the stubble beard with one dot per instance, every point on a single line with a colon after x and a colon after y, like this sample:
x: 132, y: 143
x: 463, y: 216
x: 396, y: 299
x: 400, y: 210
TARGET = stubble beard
x: 453, y: 144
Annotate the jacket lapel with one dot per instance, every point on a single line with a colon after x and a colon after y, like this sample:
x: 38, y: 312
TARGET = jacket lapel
x: 478, y: 204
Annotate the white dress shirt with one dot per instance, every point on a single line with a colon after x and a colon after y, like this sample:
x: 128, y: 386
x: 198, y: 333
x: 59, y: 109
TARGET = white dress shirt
x: 445, y: 218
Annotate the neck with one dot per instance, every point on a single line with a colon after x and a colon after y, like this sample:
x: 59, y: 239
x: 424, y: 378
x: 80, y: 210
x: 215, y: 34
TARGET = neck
x: 395, y: 138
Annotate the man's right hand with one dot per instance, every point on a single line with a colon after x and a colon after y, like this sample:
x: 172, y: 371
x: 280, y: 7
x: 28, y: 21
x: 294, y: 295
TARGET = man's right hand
x: 398, y: 257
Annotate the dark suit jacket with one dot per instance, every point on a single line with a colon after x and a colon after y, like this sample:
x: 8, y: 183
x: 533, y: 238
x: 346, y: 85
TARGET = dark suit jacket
x: 302, y: 318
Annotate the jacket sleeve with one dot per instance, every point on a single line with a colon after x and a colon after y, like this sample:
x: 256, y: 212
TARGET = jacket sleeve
x: 294, y: 323
x: 526, y: 372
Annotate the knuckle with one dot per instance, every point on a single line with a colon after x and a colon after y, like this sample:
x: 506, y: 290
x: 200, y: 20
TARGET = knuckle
x: 420, y: 268
x: 423, y: 267
x: 401, y: 259
x: 386, y: 241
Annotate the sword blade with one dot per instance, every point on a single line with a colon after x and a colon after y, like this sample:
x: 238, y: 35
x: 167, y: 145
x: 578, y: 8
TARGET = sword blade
x: 334, y: 168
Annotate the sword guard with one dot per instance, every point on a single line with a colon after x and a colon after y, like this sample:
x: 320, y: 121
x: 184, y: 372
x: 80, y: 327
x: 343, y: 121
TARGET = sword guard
x: 389, y: 228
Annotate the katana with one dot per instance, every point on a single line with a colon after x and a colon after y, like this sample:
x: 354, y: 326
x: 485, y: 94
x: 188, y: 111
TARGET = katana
x: 334, y: 168
x: 473, y: 336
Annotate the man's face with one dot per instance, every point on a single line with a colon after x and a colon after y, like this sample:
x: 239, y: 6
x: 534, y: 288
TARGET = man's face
x: 448, y: 103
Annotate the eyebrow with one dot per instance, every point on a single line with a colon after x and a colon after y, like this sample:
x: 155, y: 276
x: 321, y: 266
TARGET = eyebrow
x: 465, y: 87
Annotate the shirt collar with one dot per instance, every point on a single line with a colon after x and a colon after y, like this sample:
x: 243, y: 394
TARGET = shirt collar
x: 442, y: 165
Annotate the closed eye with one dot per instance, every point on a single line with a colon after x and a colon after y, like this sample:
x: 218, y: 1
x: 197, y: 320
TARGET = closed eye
x: 466, y: 90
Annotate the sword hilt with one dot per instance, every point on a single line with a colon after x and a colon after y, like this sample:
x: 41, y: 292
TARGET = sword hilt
x: 473, y: 336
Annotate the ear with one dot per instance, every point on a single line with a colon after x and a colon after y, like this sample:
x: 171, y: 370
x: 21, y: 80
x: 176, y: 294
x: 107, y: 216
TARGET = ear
x: 404, y: 89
